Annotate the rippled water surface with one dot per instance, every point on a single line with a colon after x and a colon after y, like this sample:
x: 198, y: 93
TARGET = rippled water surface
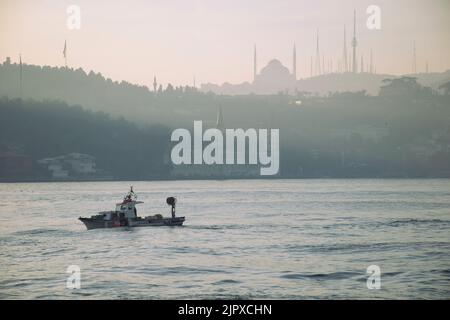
x: 283, y: 239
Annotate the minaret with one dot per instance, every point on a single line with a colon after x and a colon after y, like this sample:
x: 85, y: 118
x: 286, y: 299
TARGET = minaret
x: 193, y: 81
x: 317, y: 70
x: 354, y: 44
x: 349, y: 61
x: 294, y: 64
x: 324, y: 69
x: 311, y: 66
x: 414, y: 66
x: 344, y: 54
x: 254, y: 63
x: 361, y: 69
x: 65, y: 53
x: 219, y: 121
x: 155, y: 84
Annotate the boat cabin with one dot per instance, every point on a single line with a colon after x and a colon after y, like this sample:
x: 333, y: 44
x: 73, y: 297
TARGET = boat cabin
x: 127, y: 208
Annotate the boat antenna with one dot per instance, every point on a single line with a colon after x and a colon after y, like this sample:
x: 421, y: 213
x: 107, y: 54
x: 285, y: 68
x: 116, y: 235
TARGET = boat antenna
x: 131, y: 195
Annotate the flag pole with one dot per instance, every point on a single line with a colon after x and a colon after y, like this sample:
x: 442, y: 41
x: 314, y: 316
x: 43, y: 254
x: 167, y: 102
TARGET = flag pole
x: 65, y: 53
x: 20, y: 75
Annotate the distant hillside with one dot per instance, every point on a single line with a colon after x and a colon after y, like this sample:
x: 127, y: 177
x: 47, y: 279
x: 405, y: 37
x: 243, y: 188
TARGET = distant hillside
x: 97, y: 93
x: 403, y: 132
x: 174, y: 107
x: 329, y: 83
x: 31, y: 131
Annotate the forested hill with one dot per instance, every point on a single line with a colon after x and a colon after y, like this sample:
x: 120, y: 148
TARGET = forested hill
x: 49, y: 129
x: 95, y: 92
x: 402, y: 132
x: 172, y: 106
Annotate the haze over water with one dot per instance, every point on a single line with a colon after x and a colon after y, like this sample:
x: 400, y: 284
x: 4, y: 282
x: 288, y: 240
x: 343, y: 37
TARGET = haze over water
x: 287, y: 239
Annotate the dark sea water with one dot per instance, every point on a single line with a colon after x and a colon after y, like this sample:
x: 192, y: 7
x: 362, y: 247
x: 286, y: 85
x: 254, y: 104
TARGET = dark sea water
x: 282, y: 239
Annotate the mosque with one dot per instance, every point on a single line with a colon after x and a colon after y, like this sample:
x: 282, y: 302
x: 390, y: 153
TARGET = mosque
x: 273, y: 78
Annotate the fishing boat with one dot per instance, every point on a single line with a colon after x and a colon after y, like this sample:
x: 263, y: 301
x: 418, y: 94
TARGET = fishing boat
x: 125, y: 215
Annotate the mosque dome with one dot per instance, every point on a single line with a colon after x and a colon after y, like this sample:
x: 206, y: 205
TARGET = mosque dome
x: 274, y: 77
x: 275, y: 69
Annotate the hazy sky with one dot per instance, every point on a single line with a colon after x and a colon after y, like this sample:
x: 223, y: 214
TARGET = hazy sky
x: 213, y: 40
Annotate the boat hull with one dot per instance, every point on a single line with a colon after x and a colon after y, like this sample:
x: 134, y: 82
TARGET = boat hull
x: 91, y: 223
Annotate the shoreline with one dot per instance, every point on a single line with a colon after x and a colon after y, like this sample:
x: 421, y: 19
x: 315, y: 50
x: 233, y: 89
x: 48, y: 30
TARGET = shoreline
x: 220, y: 179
